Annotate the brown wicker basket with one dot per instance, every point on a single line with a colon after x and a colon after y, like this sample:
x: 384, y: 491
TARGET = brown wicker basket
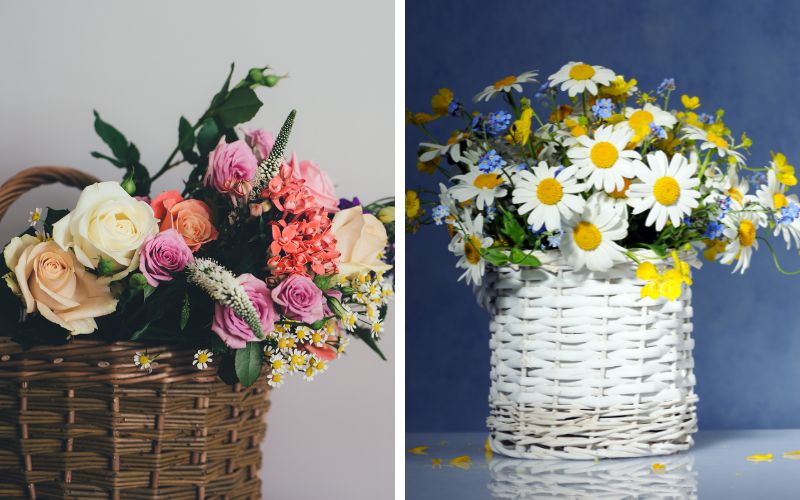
x: 82, y: 421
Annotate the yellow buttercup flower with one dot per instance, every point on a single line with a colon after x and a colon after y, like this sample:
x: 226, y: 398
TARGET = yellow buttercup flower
x: 419, y: 118
x: 713, y: 248
x: 429, y: 167
x: 520, y: 130
x: 575, y: 128
x: 690, y: 102
x: 441, y: 101
x: 660, y: 284
x: 682, y: 268
x: 412, y: 204
x: 783, y: 171
x: 619, y: 89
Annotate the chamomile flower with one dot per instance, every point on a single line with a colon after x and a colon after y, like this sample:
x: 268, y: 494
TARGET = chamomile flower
x: 276, y: 379
x: 452, y: 148
x: 371, y: 312
x: 302, y: 334
x: 318, y: 338
x: 710, y: 140
x: 589, y: 239
x: 202, y: 359
x: 467, y: 245
x: 643, y: 119
x: 740, y: 231
x: 349, y: 320
x: 603, y: 160
x: 483, y: 187
x: 297, y: 360
x: 668, y: 189
x: 506, y: 84
x: 320, y: 365
x: 618, y: 200
x: 286, y: 341
x: 144, y: 361
x: 343, y: 341
x: 309, y: 373
x: 35, y: 217
x: 772, y: 196
x: 576, y: 77
x: 376, y: 329
x: 547, y: 195
x: 730, y: 185
x: 278, y: 363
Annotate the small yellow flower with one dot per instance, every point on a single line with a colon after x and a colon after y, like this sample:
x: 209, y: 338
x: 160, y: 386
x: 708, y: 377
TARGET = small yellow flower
x: 441, y: 101
x: 386, y: 215
x: 746, y: 141
x: 520, y: 130
x: 202, y: 359
x: 419, y: 450
x: 619, y: 89
x: 412, y: 204
x: 419, y: 118
x: 660, y: 284
x: 713, y: 248
x: 783, y: 171
x: 690, y: 102
x: 428, y: 167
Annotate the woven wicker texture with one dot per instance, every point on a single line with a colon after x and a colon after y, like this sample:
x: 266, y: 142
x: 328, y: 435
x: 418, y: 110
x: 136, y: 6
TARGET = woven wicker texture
x: 513, y: 479
x: 81, y: 421
x: 582, y: 367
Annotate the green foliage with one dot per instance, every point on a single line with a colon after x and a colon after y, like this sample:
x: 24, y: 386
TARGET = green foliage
x: 248, y: 363
x: 366, y: 337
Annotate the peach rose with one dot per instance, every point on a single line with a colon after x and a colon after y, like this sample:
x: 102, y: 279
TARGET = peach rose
x: 52, y: 281
x: 192, y: 219
x: 360, y: 238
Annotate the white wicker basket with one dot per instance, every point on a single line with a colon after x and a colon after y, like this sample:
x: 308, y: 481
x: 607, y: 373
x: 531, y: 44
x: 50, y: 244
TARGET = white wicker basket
x: 583, y: 367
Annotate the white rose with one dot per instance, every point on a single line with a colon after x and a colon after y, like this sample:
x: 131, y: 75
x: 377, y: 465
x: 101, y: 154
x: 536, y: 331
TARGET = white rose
x: 109, y: 224
x: 360, y: 239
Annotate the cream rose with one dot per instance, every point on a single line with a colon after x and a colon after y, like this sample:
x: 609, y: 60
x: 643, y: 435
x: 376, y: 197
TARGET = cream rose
x: 107, y: 223
x: 360, y: 238
x: 52, y: 281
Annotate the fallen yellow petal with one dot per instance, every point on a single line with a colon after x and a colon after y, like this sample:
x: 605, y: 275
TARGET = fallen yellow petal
x: 760, y: 458
x: 658, y: 468
x: 463, y: 462
x: 436, y: 463
x: 792, y: 455
x: 419, y: 450
x: 487, y: 450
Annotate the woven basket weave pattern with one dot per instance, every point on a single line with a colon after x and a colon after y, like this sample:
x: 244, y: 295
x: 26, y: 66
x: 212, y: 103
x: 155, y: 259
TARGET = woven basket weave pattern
x: 582, y: 367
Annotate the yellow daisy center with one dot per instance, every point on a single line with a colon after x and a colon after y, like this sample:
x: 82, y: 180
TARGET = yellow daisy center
x: 779, y: 200
x: 487, y: 181
x: 143, y: 360
x: 277, y: 377
x: 472, y: 249
x: 505, y: 82
x: 621, y: 193
x: 581, y: 72
x: 587, y: 236
x: 716, y: 140
x: 747, y: 233
x: 666, y: 190
x: 604, y: 154
x: 549, y: 191
x: 735, y: 194
x: 202, y: 357
x: 277, y: 364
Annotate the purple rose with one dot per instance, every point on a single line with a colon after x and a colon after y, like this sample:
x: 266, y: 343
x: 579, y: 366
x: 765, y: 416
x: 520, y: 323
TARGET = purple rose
x: 231, y: 168
x: 301, y: 298
x: 231, y: 328
x: 261, y: 141
x: 164, y: 254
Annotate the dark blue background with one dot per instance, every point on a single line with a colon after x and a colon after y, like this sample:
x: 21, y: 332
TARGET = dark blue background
x: 740, y: 55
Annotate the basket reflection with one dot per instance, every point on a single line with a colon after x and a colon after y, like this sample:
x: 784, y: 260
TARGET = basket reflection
x: 612, y: 478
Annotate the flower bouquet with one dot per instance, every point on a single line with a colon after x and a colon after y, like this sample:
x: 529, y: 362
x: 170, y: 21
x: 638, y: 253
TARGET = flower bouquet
x: 577, y: 213
x: 150, y: 328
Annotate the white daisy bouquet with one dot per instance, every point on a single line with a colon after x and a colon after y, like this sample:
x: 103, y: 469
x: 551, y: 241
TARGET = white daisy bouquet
x: 255, y: 263
x: 590, y: 167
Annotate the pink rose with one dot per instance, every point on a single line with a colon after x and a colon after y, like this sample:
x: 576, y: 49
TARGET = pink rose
x: 163, y: 255
x: 231, y: 168
x: 234, y: 331
x: 260, y: 141
x: 192, y: 219
x: 301, y: 298
x: 318, y: 183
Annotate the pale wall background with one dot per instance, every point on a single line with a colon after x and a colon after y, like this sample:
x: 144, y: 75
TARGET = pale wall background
x: 143, y: 64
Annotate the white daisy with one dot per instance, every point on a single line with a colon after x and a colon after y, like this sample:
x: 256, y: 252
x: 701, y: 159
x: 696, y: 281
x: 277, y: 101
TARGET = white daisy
x: 588, y: 239
x: 772, y: 196
x: 740, y: 231
x: 731, y: 185
x: 144, y: 361
x: 576, y: 77
x: 667, y: 189
x: 617, y: 200
x: 202, y: 359
x: 35, y: 217
x: 376, y: 329
x: 506, y: 84
x: 640, y: 120
x: 603, y: 159
x: 452, y: 148
x: 298, y: 360
x: 481, y: 186
x: 467, y: 245
x: 711, y: 140
x: 276, y: 379
x: 549, y: 194
x: 278, y: 363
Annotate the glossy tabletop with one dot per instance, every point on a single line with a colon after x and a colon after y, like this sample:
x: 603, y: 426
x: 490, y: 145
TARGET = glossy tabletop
x: 716, y: 467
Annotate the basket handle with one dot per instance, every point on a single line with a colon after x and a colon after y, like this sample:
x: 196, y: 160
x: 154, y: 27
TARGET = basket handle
x: 25, y: 180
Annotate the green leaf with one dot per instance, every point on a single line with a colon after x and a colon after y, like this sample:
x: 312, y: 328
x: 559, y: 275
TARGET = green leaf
x: 208, y: 136
x: 523, y: 258
x: 241, y: 105
x: 512, y: 228
x: 185, y: 137
x: 141, y: 331
x: 336, y: 307
x: 494, y: 256
x: 148, y: 291
x: 185, y: 311
x: 111, y: 136
x: 366, y: 336
x: 114, y: 161
x: 248, y: 363
x: 220, y: 96
x: 324, y: 282
x: 320, y: 323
